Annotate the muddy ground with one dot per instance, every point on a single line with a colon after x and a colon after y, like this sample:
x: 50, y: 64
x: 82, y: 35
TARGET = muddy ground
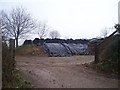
x: 62, y: 72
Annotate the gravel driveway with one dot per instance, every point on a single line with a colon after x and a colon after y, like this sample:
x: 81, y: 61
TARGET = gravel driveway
x: 62, y: 72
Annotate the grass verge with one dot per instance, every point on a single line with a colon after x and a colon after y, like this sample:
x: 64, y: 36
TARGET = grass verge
x: 28, y: 50
x: 17, y: 82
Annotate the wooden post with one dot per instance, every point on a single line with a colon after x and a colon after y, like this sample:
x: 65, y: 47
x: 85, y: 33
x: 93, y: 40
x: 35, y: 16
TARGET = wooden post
x: 12, y: 52
x: 0, y: 58
x: 96, y: 53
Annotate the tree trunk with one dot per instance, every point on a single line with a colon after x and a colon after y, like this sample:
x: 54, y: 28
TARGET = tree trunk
x: 16, y: 42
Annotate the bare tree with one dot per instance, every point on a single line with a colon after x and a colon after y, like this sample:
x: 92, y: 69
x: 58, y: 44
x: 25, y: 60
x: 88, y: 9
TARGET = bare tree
x: 42, y: 30
x: 104, y: 33
x: 2, y: 27
x: 16, y: 24
x: 54, y: 34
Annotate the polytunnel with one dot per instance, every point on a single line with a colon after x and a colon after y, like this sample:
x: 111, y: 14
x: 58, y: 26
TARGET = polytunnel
x: 65, y: 49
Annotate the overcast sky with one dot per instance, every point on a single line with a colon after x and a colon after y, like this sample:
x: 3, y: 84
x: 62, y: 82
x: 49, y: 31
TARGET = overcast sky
x: 72, y: 18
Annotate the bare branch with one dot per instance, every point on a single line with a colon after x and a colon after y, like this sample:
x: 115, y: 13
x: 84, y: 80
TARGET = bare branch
x: 104, y: 32
x: 42, y: 30
x: 17, y: 23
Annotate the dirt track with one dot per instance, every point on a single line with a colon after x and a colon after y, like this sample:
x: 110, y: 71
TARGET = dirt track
x: 62, y: 72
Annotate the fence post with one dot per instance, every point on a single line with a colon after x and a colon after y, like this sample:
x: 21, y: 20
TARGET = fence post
x: 0, y: 58
x: 96, y: 53
x: 12, y: 52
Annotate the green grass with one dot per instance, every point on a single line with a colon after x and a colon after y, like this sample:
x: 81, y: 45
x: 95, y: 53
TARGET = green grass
x: 20, y: 82
x: 23, y: 49
x: 16, y: 82
x: 28, y: 50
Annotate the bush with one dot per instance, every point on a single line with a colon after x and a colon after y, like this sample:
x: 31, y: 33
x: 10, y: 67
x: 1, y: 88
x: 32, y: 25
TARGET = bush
x: 10, y: 77
x: 109, y: 57
x: 7, y: 66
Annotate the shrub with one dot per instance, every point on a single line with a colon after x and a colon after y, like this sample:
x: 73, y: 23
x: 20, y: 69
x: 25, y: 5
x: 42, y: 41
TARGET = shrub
x: 10, y: 77
x: 109, y: 57
x: 7, y: 66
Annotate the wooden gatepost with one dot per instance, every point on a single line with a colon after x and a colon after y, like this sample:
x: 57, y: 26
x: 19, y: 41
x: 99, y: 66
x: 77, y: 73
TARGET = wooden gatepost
x: 12, y: 53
